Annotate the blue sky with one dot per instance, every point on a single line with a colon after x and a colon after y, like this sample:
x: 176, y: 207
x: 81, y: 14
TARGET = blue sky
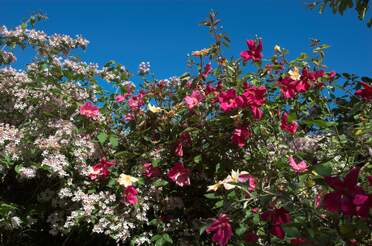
x: 165, y: 31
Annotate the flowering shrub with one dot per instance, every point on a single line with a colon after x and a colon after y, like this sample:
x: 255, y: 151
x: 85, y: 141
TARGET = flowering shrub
x: 277, y: 156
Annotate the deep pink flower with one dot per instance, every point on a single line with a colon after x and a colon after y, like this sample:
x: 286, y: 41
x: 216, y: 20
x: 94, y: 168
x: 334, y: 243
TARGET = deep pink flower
x: 254, y: 51
x: 297, y: 167
x: 286, y: 126
x: 318, y: 200
x: 89, y: 110
x: 193, y: 100
x: 332, y: 75
x: 298, y: 241
x: 179, y: 174
x: 207, y: 69
x: 254, y: 97
x: 276, y: 218
x: 366, y: 92
x: 348, y: 197
x: 222, y: 230
x: 288, y: 87
x: 250, y: 237
x: 227, y: 100
x: 130, y: 195
x: 151, y: 171
x: 240, y: 136
x: 119, y: 98
x: 100, y: 169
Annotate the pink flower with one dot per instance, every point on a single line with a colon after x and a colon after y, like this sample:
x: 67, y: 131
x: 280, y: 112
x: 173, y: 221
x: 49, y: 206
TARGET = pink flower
x: 240, y: 136
x: 254, y: 51
x: 250, y: 237
x: 129, y: 117
x: 245, y: 177
x: 348, y: 197
x: 89, y: 110
x: 179, y: 174
x: 222, y: 230
x: 135, y: 102
x: 151, y: 171
x: 207, y: 69
x: 288, y: 87
x: 227, y: 100
x: 193, y: 100
x: 119, y: 98
x: 100, y: 169
x: 366, y: 92
x: 276, y: 218
x: 297, y: 167
x: 286, y: 126
x: 130, y: 195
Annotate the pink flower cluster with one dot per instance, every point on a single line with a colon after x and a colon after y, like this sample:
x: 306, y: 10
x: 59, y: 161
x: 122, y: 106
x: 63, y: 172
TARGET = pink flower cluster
x: 151, y: 171
x: 290, y: 87
x: 348, y: 197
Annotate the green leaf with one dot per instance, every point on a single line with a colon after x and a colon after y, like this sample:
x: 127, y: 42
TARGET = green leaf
x: 114, y: 141
x: 211, y: 196
x: 17, y: 168
x: 197, y: 159
x: 102, y: 137
x: 323, y: 169
x: 160, y: 182
x: 321, y: 123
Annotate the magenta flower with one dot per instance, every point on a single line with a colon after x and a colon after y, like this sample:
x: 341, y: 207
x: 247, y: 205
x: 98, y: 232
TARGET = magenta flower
x: 240, y: 136
x: 254, y: 51
x: 151, y: 171
x: 207, y: 69
x: 276, y: 218
x: 119, y: 98
x: 297, y: 167
x: 366, y: 92
x: 286, y: 126
x: 347, y: 197
x: 193, y: 100
x: 183, y: 141
x: 100, y: 169
x: 227, y: 100
x: 89, y: 110
x: 288, y: 87
x: 222, y: 230
x: 130, y: 195
x: 179, y: 174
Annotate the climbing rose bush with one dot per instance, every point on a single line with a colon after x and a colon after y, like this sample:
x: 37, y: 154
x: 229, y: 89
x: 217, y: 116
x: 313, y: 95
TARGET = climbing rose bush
x: 262, y: 149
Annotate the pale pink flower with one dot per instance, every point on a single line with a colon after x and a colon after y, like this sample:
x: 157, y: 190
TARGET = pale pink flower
x: 297, y: 167
x: 119, y: 98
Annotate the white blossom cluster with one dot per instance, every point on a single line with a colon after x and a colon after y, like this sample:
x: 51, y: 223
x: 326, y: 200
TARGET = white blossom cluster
x: 144, y: 68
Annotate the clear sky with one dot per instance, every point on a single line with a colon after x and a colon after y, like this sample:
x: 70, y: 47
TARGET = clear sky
x: 165, y: 31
